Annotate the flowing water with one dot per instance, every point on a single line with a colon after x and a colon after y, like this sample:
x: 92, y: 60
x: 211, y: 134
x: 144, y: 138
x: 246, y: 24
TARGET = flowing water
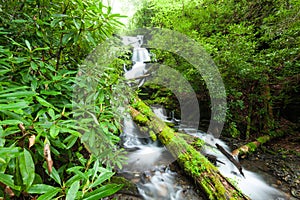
x: 149, y: 162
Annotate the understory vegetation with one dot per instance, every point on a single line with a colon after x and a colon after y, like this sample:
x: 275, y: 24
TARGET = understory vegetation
x: 42, y: 45
x: 254, y: 44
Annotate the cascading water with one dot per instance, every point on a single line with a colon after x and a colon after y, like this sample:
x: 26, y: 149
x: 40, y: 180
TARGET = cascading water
x: 149, y: 161
x: 250, y: 184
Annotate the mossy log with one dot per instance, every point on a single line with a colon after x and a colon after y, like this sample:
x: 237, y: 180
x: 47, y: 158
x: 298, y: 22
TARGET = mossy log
x: 193, y: 163
x: 251, y: 146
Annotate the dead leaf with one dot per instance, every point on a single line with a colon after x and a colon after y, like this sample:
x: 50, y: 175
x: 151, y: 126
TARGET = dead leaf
x: 31, y: 140
x: 47, y: 156
x: 9, y: 191
x: 22, y: 128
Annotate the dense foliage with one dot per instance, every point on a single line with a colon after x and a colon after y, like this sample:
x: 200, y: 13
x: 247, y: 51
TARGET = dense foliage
x: 255, y: 45
x: 42, y: 44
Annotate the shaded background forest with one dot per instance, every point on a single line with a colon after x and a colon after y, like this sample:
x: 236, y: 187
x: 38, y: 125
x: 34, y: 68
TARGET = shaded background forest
x: 255, y: 45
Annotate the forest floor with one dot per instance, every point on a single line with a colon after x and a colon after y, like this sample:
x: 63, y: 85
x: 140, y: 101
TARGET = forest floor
x: 278, y: 162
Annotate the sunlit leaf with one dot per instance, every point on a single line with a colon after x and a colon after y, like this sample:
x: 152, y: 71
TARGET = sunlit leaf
x: 28, y: 45
x: 49, y: 195
x: 10, y: 122
x: 12, y: 106
x: 44, y: 102
x: 8, y: 180
x: 31, y: 141
x: 71, y: 194
x: 40, y: 189
x: 100, y: 179
x: 102, y: 192
x: 54, y: 131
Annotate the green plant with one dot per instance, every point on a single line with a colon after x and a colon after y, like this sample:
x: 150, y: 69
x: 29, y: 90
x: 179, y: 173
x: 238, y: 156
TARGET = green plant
x: 42, y: 45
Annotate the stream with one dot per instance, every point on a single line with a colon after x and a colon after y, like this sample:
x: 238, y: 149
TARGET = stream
x: 149, y: 166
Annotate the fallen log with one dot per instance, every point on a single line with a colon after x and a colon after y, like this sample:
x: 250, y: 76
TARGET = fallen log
x: 194, y: 164
x: 251, y: 146
x: 231, y: 159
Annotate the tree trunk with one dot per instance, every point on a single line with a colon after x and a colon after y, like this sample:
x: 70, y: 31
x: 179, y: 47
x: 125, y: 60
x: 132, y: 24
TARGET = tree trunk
x: 196, y: 165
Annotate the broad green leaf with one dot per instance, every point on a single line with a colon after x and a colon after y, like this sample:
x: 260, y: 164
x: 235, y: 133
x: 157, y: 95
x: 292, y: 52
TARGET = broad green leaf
x: 13, y: 106
x: 19, y: 94
x: 71, y: 194
x: 34, y: 66
x: 49, y: 195
x: 76, y: 170
x: 50, y: 92
x: 55, y: 176
x: 70, y: 140
x: 72, y: 180
x: 28, y: 45
x: 13, y: 89
x: 100, y: 179
x: 102, y: 192
x: 51, y: 113
x: 67, y: 130
x: 95, y: 168
x: 27, y: 168
x: 76, y: 24
x: 10, y: 122
x: 19, y: 21
x: 40, y: 189
x: 10, y: 152
x: 54, y: 131
x: 43, y: 102
x: 41, y: 112
x: 8, y: 180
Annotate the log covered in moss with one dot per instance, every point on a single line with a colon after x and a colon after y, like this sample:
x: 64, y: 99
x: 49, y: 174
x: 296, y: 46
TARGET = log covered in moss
x: 251, y: 146
x: 193, y: 163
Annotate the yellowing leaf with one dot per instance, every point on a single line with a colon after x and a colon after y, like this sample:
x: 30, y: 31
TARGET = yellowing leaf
x: 31, y: 141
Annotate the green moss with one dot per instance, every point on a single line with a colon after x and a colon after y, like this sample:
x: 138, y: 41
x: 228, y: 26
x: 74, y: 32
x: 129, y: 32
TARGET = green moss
x: 141, y: 119
x: 198, y: 143
x: 143, y: 108
x: 152, y: 136
x: 252, y: 146
x: 263, y: 139
x: 166, y: 135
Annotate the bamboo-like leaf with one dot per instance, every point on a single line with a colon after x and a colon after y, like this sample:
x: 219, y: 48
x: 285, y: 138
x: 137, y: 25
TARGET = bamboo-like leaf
x: 49, y: 195
x: 55, y: 176
x: 43, y: 102
x: 54, y: 130
x: 8, y: 180
x: 100, y: 179
x: 10, y: 122
x: 70, y: 140
x: 18, y: 94
x: 40, y: 189
x: 102, y: 192
x: 27, y: 168
x: 71, y: 194
x: 28, y: 45
x: 13, y: 106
